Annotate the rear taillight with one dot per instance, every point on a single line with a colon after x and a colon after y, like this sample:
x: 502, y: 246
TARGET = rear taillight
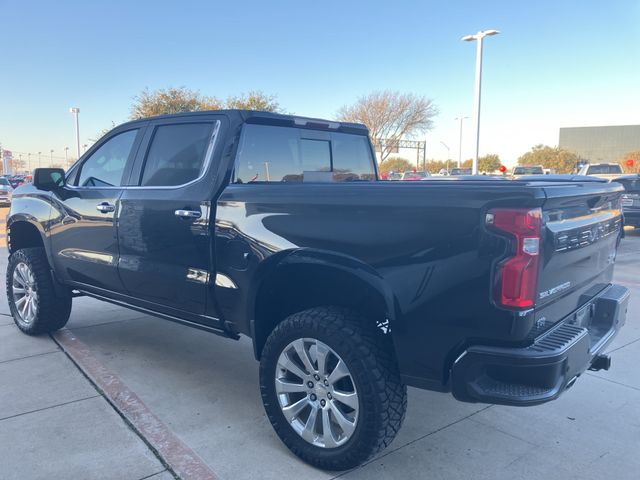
x: 517, y: 276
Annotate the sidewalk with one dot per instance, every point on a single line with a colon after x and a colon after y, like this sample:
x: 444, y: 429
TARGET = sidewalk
x: 53, y: 422
x: 203, y: 389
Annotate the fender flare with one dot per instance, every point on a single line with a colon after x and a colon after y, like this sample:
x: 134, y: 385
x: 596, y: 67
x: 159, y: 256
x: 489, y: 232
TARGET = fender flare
x: 338, y: 262
x: 23, y: 217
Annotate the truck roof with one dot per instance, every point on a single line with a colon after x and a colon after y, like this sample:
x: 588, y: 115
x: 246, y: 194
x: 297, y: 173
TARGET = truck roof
x: 268, y: 118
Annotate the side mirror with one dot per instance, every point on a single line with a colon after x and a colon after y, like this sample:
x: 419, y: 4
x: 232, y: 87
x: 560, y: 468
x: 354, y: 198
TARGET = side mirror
x: 48, y: 178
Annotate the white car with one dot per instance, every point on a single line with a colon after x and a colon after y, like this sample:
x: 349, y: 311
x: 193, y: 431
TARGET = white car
x: 6, y: 191
x: 521, y: 171
x: 603, y: 170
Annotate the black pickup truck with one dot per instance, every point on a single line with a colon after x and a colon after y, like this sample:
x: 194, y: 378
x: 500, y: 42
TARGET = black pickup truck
x: 276, y: 227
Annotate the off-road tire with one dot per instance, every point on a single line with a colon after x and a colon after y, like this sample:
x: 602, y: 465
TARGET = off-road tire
x: 370, y: 358
x: 54, y: 304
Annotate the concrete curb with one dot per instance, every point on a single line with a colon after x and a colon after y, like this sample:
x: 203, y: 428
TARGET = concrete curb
x: 181, y: 459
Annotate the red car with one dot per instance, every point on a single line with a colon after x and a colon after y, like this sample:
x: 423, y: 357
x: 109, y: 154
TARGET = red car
x: 411, y: 176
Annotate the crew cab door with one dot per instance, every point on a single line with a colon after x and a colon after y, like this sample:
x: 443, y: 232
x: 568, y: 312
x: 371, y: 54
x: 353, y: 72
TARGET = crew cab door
x: 83, y: 227
x: 166, y: 256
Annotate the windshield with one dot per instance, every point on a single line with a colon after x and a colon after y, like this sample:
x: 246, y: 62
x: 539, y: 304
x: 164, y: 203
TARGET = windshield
x: 460, y: 171
x: 528, y: 171
x: 4, y: 181
x: 604, y: 169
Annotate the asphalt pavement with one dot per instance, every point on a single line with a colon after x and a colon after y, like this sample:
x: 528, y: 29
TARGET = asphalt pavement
x: 57, y: 423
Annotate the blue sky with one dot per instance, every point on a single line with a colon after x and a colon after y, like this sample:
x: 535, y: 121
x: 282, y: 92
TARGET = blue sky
x: 555, y: 63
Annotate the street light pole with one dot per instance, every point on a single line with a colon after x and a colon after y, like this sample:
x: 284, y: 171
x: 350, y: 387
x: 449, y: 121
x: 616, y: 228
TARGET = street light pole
x: 39, y: 159
x: 29, y: 162
x: 76, y: 111
x: 478, y: 37
x: 51, y: 157
x: 66, y: 159
x: 448, y: 154
x: 460, y: 119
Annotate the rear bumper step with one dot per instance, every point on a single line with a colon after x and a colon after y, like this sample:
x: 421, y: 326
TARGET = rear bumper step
x: 541, y: 371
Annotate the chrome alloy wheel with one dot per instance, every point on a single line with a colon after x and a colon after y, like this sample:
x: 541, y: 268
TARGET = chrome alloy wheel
x: 25, y: 295
x: 316, y: 393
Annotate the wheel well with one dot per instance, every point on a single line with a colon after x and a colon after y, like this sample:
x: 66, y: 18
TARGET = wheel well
x: 299, y: 287
x: 23, y: 235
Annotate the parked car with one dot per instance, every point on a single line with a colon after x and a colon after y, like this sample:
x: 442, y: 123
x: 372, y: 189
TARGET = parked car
x: 237, y: 223
x: 412, y: 176
x: 394, y: 176
x: 630, y: 199
x: 16, y: 180
x: 6, y: 191
x: 602, y: 170
x: 460, y: 171
x: 527, y: 170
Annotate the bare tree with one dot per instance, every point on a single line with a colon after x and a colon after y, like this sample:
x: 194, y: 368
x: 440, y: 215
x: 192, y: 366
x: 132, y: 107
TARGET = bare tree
x: 16, y: 164
x: 391, y: 116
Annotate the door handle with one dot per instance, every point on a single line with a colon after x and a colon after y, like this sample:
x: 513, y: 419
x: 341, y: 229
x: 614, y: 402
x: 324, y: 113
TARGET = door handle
x: 105, y: 207
x: 188, y: 213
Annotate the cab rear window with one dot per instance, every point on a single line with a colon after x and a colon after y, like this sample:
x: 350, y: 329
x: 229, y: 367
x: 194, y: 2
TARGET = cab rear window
x: 285, y: 154
x: 604, y: 169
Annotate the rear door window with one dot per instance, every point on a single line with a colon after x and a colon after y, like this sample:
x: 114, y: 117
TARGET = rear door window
x: 285, y: 154
x: 177, y: 154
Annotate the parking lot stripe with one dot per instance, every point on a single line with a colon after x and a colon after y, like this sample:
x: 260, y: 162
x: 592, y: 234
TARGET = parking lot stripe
x: 175, y: 454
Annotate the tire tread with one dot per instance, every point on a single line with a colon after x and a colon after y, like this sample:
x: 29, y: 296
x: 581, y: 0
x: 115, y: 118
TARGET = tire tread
x: 53, y: 309
x: 374, y: 353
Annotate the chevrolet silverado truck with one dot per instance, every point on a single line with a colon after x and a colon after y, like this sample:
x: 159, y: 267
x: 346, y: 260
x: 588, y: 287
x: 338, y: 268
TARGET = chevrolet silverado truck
x: 277, y: 227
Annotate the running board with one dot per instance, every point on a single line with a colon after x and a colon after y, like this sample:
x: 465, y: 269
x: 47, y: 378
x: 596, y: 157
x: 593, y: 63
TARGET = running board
x: 188, y: 323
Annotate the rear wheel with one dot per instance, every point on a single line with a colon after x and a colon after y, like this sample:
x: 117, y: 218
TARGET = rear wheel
x: 331, y: 388
x: 35, y: 304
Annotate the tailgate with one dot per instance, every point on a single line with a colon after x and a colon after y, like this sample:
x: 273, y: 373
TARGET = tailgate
x: 582, y: 228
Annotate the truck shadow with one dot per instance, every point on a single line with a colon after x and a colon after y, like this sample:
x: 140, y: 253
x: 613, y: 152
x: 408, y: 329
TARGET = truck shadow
x: 206, y: 389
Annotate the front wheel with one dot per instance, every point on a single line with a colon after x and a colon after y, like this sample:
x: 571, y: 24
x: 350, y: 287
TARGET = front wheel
x: 35, y: 304
x: 331, y: 388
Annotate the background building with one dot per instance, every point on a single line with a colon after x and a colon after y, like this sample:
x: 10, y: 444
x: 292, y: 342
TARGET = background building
x: 601, y: 144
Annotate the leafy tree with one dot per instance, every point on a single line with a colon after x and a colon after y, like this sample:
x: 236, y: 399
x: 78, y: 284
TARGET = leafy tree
x: 633, y: 155
x: 390, y: 117
x: 434, y: 166
x: 395, y: 164
x: 171, y: 100
x: 556, y: 158
x: 489, y: 163
x: 254, y: 100
x: 182, y: 99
